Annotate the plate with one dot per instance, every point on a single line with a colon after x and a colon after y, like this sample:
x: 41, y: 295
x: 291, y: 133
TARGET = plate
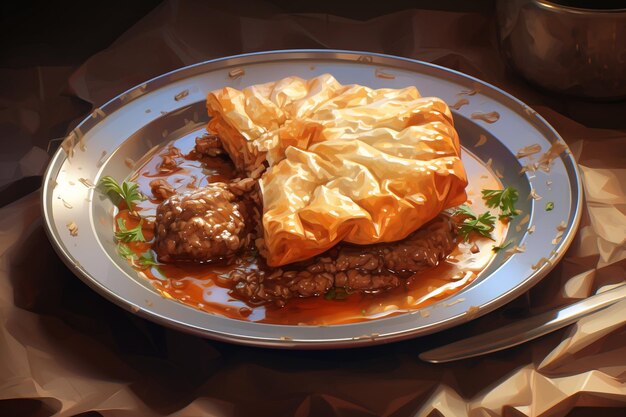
x: 172, y: 105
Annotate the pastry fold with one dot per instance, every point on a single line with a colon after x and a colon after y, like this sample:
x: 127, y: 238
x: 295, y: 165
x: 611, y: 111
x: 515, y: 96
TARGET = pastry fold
x: 344, y: 162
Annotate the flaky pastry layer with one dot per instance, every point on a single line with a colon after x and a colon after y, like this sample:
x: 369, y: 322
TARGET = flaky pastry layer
x: 344, y: 162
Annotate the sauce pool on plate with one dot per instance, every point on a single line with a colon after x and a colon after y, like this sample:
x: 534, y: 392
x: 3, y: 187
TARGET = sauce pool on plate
x: 207, y: 286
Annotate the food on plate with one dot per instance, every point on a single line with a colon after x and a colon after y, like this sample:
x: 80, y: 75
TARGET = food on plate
x: 304, y: 193
x: 370, y: 268
x: 344, y: 162
x: 204, y: 225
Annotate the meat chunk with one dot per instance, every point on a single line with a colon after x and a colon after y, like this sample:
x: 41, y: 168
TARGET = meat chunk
x: 161, y: 189
x: 202, y: 226
x: 356, y: 268
x: 170, y: 160
x: 209, y: 145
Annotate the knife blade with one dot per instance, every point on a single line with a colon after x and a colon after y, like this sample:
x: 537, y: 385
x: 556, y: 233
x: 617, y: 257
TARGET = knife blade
x: 523, y: 330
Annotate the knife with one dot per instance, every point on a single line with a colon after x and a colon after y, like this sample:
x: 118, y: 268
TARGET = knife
x: 523, y: 330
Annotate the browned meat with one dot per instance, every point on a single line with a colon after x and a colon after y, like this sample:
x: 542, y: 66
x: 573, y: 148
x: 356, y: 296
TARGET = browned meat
x: 170, y: 160
x: 356, y: 268
x: 209, y: 145
x: 204, y: 225
x: 162, y: 189
x: 243, y: 187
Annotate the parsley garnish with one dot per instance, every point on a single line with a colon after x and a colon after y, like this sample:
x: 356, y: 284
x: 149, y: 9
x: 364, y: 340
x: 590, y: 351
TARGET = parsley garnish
x: 501, y: 247
x: 483, y: 224
x: 503, y: 199
x: 142, y: 262
x: 146, y: 261
x: 330, y: 295
x: 549, y: 206
x: 129, y: 235
x: 125, y: 252
x: 128, y: 191
x: 336, y: 293
x: 464, y: 210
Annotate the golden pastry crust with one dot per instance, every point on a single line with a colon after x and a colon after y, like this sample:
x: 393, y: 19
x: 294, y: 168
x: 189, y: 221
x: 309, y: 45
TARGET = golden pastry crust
x: 344, y: 162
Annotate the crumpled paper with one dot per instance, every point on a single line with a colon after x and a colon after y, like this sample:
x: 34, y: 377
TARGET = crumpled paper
x: 327, y: 146
x: 65, y: 350
x: 33, y: 110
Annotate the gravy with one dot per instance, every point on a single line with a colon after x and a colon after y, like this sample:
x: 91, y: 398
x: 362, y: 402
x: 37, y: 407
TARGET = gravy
x: 207, y: 286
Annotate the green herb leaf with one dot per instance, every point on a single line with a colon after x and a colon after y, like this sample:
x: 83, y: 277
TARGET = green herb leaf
x: 483, y: 225
x: 147, y: 261
x: 503, y: 199
x: 125, y: 252
x: 464, y: 210
x: 341, y: 294
x: 336, y: 293
x: 129, y: 235
x: 549, y: 206
x: 501, y: 247
x: 129, y: 192
x: 143, y: 262
x: 330, y: 295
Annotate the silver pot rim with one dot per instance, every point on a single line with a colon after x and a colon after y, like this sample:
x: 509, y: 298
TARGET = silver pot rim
x: 560, y: 8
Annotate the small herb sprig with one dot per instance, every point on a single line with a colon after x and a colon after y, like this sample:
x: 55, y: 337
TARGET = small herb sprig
x: 503, y: 199
x: 142, y: 262
x: 502, y: 247
x: 482, y: 224
x: 129, y: 235
x: 336, y: 293
x: 128, y: 191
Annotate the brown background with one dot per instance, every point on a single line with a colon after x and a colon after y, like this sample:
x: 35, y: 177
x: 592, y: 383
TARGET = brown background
x: 64, y: 350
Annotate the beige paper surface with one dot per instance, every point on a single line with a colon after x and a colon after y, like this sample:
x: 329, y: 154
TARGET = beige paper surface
x: 71, y: 351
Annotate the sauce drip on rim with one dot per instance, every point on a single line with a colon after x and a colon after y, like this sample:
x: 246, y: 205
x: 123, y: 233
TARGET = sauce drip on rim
x: 207, y: 286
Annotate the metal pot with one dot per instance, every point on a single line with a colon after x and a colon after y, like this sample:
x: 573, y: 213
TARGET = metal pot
x: 575, y: 51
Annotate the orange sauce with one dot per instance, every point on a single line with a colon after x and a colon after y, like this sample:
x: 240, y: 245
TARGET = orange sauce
x: 207, y: 287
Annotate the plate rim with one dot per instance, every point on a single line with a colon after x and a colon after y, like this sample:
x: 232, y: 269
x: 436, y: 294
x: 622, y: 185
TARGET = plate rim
x: 274, y: 340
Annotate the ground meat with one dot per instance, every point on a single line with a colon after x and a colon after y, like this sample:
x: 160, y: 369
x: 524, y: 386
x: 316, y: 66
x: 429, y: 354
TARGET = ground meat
x: 242, y: 187
x: 162, y: 189
x: 202, y: 226
x: 170, y: 160
x: 249, y: 193
x: 209, y: 145
x: 370, y: 268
